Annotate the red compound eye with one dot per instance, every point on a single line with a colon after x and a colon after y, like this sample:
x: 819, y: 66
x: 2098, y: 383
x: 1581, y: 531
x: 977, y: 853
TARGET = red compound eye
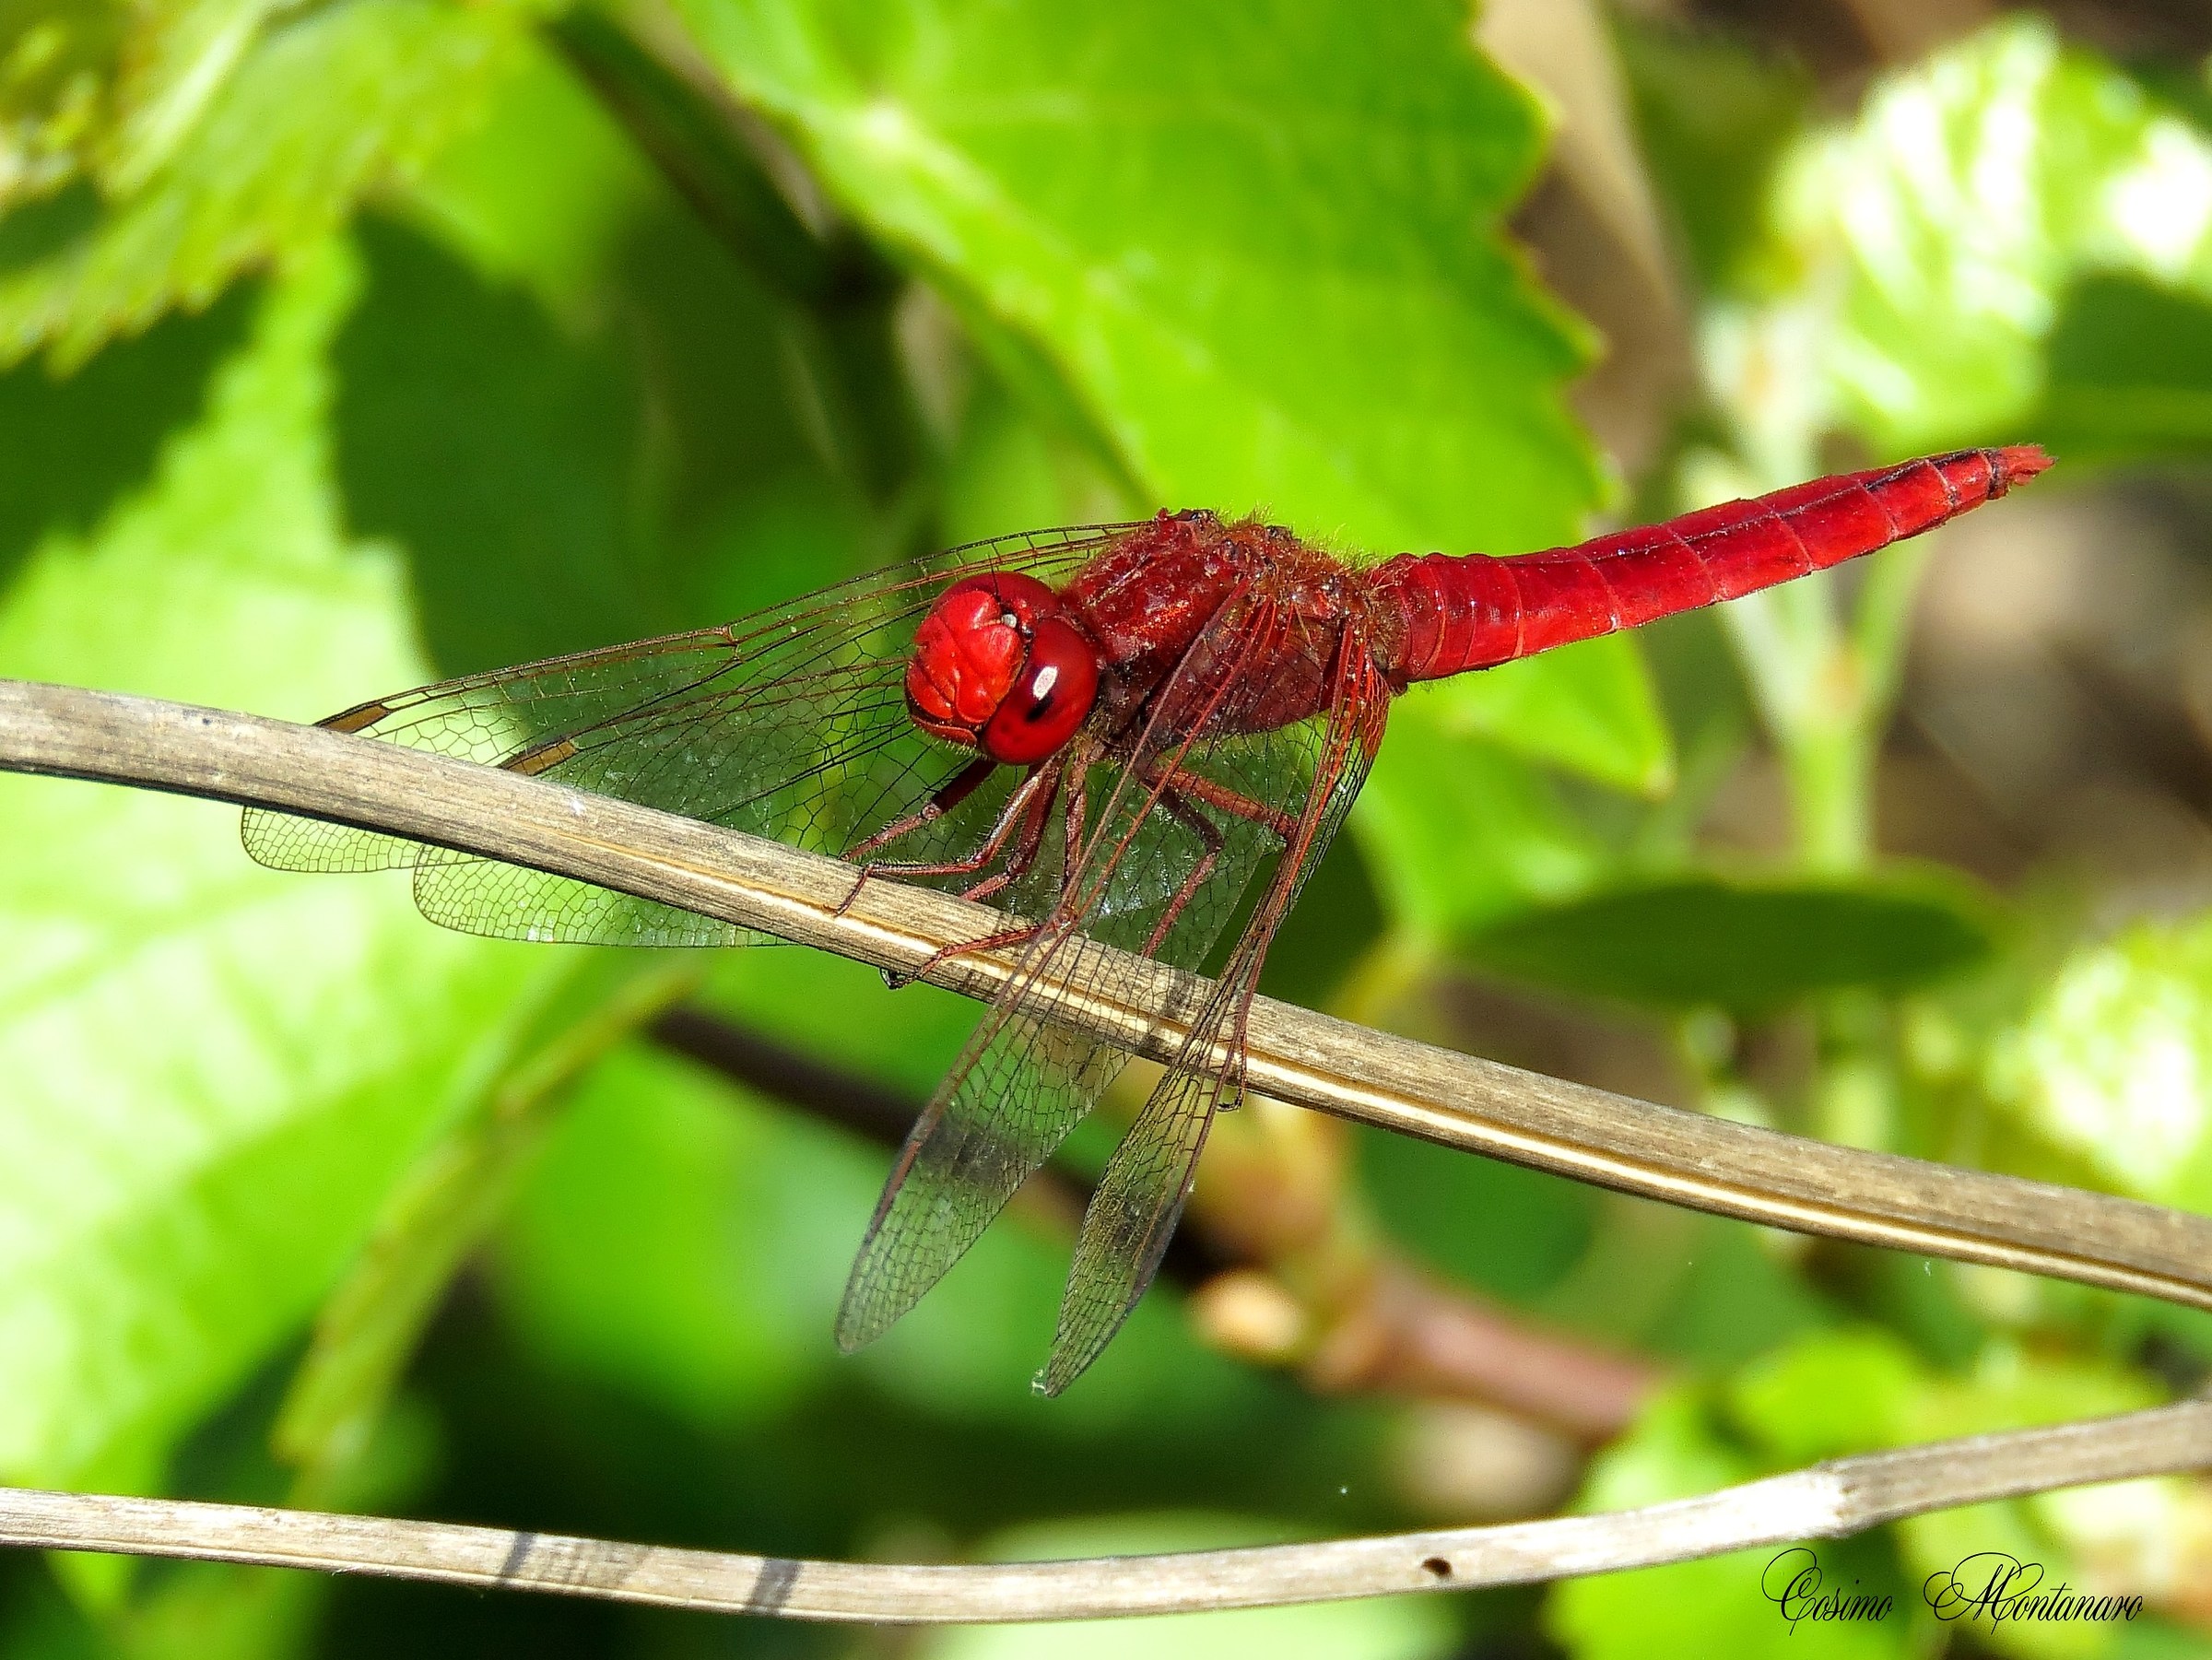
x: 1057, y: 686
x: 997, y: 666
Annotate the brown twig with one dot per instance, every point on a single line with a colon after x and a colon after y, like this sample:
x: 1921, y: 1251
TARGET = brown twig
x: 1826, y: 1501
x: 1293, y: 1055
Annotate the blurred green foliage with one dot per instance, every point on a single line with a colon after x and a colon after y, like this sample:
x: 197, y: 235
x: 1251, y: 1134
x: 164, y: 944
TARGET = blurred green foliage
x: 352, y: 344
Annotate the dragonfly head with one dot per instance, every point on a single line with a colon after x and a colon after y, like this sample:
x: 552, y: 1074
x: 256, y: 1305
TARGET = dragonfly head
x: 998, y: 666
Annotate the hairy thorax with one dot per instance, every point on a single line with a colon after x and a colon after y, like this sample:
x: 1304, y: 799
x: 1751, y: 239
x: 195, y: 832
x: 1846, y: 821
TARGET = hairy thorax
x: 1279, y: 612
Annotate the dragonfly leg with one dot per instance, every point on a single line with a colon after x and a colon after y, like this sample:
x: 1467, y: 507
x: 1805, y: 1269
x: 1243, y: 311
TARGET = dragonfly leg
x: 1020, y: 936
x: 954, y: 791
x: 1071, y: 769
x: 1193, y: 787
x: 1172, y: 800
x: 1020, y: 803
x: 1025, y: 851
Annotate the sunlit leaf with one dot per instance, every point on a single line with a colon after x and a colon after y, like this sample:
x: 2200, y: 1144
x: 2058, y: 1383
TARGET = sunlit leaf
x: 57, y: 63
x: 2113, y: 1062
x: 214, y: 1071
x: 1460, y: 833
x: 329, y: 104
x: 1720, y: 1605
x: 1830, y: 1394
x: 1259, y: 250
x: 1747, y: 947
x: 1921, y: 251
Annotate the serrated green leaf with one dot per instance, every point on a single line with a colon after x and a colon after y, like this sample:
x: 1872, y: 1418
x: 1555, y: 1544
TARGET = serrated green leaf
x: 1258, y: 249
x: 75, y: 446
x: 217, y: 1071
x: 1922, y: 249
x: 1749, y: 947
x: 326, y: 107
x: 57, y: 61
x: 2113, y: 1061
x: 1168, y: 199
x: 173, y: 69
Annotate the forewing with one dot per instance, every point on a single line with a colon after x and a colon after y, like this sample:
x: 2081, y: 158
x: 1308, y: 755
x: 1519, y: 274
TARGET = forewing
x: 1142, y: 1191
x: 1021, y: 1084
x: 788, y: 724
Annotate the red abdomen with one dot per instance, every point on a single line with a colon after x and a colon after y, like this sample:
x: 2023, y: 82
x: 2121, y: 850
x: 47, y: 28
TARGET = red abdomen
x: 1442, y: 614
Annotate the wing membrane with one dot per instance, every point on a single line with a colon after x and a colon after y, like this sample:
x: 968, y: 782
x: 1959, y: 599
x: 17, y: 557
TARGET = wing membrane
x: 1146, y: 1185
x: 787, y: 724
x: 1163, y: 872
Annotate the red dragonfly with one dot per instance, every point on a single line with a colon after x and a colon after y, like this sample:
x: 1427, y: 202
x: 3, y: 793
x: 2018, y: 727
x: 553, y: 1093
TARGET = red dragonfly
x: 1115, y: 731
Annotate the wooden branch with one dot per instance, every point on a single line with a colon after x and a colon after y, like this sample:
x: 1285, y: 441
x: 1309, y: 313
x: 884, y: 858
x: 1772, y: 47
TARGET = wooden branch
x: 1827, y: 1500
x: 1294, y: 1054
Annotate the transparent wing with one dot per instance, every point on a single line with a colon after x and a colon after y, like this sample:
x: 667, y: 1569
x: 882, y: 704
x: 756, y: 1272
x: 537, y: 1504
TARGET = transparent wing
x: 1163, y: 871
x: 1142, y: 1191
x: 787, y: 724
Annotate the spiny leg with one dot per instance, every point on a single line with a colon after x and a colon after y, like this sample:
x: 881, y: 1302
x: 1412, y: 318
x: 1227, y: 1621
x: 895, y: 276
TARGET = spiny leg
x: 1022, y: 800
x: 1072, y: 772
x: 1024, y: 857
x: 949, y: 795
x: 1199, y: 788
x: 1172, y: 800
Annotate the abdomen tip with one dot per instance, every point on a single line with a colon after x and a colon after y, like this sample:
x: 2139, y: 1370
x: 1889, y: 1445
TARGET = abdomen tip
x: 2018, y: 463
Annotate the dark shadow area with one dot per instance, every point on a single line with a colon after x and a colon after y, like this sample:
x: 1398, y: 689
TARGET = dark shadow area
x: 70, y: 448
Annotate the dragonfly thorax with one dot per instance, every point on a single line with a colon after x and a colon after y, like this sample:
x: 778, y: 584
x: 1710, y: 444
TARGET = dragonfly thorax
x: 998, y: 666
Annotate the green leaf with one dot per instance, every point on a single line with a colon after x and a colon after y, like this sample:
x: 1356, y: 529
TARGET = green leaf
x: 58, y: 60
x: 689, y: 1245
x: 581, y: 419
x: 215, y: 1071
x: 75, y: 446
x: 443, y: 1207
x: 1719, y: 1605
x: 1397, y: 1627
x: 1458, y: 832
x: 1860, y: 1390
x: 329, y: 105
x: 542, y: 190
x: 1923, y: 249
x: 1830, y: 1394
x: 2130, y: 372
x: 686, y: 1251
x: 1749, y: 947
x: 1167, y: 199
x: 1591, y: 709
x: 2113, y: 1061
x: 1259, y: 249
x: 174, y: 65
